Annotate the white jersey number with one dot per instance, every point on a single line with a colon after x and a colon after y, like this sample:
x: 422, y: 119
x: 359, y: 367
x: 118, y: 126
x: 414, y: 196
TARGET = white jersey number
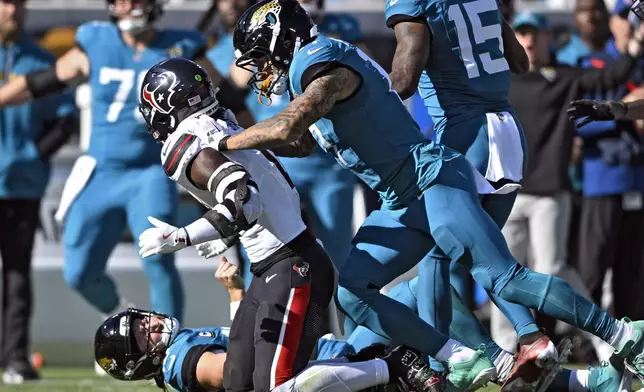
x: 480, y: 33
x: 125, y: 78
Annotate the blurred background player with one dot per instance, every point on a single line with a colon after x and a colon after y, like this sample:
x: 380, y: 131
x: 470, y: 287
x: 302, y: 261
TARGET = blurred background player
x: 29, y: 135
x: 127, y: 184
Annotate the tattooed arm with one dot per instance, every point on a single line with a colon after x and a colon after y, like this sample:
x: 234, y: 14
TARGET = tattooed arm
x: 302, y: 147
x: 412, y: 54
x: 294, y: 121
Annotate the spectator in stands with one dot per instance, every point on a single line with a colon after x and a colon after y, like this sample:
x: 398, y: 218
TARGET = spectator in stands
x: 29, y: 135
x: 592, y: 32
x: 539, y: 220
x: 612, y: 217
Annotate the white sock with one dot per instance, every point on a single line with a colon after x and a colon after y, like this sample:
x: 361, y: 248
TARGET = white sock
x: 504, y: 364
x: 578, y: 381
x: 338, y: 376
x: 454, y: 351
x: 622, y: 335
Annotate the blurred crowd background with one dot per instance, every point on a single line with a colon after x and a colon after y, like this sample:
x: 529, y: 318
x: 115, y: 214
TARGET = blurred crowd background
x: 588, y: 226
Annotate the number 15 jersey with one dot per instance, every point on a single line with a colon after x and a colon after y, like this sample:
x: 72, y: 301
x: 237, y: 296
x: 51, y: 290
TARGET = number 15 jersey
x: 466, y: 74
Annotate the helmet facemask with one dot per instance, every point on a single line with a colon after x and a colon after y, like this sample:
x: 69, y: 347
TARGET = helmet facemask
x: 266, y: 39
x: 638, y: 8
x: 133, y: 343
x: 143, y: 18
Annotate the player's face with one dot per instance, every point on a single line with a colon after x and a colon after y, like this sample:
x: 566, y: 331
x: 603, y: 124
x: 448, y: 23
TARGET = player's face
x: 230, y: 10
x: 12, y: 16
x: 123, y: 9
x: 148, y: 332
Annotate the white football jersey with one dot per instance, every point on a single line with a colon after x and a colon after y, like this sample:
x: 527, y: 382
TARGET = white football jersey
x: 281, y: 218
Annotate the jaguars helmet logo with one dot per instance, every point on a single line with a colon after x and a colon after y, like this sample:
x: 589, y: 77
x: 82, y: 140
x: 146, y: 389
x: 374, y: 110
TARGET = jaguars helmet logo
x: 175, y: 51
x: 161, y: 103
x: 266, y: 14
x: 107, y: 364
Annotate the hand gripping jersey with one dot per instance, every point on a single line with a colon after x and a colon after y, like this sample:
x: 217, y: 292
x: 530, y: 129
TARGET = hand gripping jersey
x: 467, y: 75
x: 180, y: 363
x: 119, y: 137
x: 373, y: 134
x: 280, y: 220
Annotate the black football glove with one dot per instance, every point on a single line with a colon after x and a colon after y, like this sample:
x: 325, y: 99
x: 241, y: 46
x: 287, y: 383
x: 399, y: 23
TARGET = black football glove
x: 596, y: 111
x: 372, y: 351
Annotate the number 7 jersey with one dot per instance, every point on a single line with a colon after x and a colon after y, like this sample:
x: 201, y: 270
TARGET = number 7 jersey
x: 466, y: 75
x: 119, y: 137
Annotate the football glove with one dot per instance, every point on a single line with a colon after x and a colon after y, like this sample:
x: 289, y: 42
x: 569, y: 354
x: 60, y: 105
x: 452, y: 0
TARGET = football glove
x: 162, y: 238
x: 596, y: 111
x: 212, y: 248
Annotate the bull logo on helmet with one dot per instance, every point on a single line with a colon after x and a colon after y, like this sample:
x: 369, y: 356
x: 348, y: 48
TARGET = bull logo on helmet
x: 159, y: 101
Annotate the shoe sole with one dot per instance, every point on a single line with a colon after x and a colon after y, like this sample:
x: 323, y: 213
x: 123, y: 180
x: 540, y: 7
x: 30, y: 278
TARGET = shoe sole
x: 482, y: 379
x: 550, y: 367
x: 564, y: 348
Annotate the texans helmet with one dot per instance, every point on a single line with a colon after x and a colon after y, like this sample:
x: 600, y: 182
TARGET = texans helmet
x: 144, y: 17
x: 266, y: 38
x: 638, y: 9
x: 173, y: 90
x: 119, y: 353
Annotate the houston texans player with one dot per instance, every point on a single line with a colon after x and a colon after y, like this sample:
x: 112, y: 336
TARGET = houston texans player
x: 464, y: 79
x: 251, y: 198
x: 428, y: 190
x: 127, y: 184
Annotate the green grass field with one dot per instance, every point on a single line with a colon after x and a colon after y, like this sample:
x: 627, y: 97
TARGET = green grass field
x: 69, y: 379
x: 85, y: 380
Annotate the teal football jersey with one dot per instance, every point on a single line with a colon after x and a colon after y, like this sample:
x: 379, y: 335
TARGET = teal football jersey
x: 181, y: 359
x: 467, y: 74
x: 119, y: 135
x: 373, y: 134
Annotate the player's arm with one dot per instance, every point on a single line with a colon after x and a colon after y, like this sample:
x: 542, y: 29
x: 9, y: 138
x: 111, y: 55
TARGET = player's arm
x: 513, y: 51
x: 302, y: 147
x: 236, y: 194
x: 67, y: 72
x: 413, y: 41
x: 210, y: 370
x: 294, y: 121
x: 228, y: 275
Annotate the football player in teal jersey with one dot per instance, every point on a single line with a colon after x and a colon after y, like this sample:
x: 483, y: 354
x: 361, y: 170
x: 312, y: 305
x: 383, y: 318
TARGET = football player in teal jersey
x: 127, y: 184
x: 462, y: 71
x: 429, y: 191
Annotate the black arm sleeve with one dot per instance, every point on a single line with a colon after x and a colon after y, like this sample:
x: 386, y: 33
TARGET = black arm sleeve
x: 231, y: 97
x: 189, y: 366
x: 600, y: 80
x: 55, y: 134
x: 44, y: 82
x: 395, y: 19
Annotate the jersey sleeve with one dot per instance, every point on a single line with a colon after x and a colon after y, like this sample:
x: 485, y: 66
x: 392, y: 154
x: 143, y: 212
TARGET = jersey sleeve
x: 178, y: 151
x: 397, y: 11
x: 88, y: 34
x: 324, y: 55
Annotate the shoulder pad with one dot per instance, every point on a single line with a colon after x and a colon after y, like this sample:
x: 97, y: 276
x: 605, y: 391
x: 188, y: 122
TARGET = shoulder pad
x: 88, y: 33
x: 178, y: 150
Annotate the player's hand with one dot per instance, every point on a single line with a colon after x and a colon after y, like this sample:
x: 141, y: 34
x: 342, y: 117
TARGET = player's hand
x: 596, y: 111
x: 228, y: 275
x: 229, y: 116
x: 212, y: 248
x: 162, y: 238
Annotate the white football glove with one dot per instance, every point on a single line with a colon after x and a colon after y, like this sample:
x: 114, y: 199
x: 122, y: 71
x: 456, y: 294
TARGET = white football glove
x: 162, y: 238
x: 212, y: 248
